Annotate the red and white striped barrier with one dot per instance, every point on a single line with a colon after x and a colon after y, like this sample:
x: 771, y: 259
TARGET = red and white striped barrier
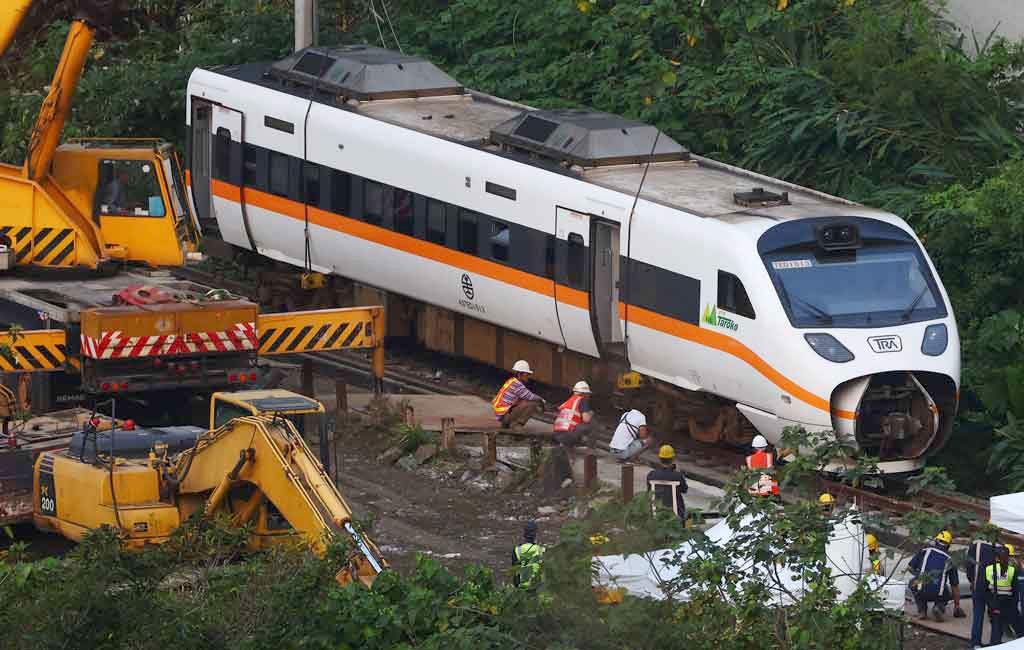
x: 114, y: 345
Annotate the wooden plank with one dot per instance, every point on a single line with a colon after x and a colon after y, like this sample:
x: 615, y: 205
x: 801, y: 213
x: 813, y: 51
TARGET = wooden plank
x: 479, y: 341
x: 537, y: 353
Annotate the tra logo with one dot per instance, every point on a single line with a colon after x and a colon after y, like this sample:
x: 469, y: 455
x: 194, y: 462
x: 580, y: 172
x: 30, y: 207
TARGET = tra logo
x: 467, y: 286
x: 882, y: 344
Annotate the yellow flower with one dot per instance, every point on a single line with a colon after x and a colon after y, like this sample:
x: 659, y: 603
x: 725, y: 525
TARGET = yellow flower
x: 691, y: 40
x: 583, y: 6
x: 783, y: 4
x: 647, y: 102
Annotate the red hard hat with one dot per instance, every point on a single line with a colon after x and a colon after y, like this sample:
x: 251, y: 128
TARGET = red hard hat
x: 129, y: 425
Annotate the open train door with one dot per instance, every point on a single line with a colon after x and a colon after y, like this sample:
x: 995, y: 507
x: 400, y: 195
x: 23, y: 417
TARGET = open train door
x: 217, y: 175
x: 587, y: 283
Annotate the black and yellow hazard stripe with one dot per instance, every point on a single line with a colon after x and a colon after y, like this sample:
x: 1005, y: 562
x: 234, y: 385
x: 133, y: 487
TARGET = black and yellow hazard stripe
x: 309, y: 338
x: 34, y: 351
x: 42, y: 246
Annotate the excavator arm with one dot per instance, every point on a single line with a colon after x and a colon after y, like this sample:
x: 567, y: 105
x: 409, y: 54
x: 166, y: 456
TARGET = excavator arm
x: 12, y: 12
x: 268, y: 454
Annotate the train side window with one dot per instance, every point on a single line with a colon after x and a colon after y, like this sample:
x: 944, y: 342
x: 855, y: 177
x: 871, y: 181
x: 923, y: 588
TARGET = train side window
x: 254, y: 167
x: 437, y: 227
x: 340, y: 192
x: 373, y: 202
x: 222, y: 155
x: 278, y: 174
x: 312, y: 183
x: 501, y: 238
x: 403, y: 206
x: 732, y: 296
x: 576, y: 261
x: 468, y: 231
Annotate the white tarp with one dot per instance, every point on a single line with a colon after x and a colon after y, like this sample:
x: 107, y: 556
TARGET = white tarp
x: 1007, y: 511
x: 645, y: 574
x: 1016, y: 644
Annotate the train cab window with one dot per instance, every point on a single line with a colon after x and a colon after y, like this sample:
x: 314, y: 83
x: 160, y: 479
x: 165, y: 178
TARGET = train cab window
x: 278, y: 174
x: 340, y: 192
x: 576, y: 261
x: 500, y: 240
x: 403, y: 216
x: 437, y: 226
x: 311, y: 179
x: 468, y: 231
x: 732, y: 296
x: 374, y: 199
x: 128, y: 188
x: 222, y: 155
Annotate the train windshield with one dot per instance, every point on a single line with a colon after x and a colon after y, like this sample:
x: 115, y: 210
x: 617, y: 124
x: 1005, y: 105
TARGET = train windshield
x: 881, y: 280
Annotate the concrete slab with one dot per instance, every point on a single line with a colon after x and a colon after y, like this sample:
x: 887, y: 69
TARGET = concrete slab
x: 471, y: 413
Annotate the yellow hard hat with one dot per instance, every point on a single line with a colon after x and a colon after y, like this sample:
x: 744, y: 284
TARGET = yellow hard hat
x: 826, y: 499
x: 1011, y: 549
x: 666, y: 452
x: 945, y: 537
x: 872, y: 542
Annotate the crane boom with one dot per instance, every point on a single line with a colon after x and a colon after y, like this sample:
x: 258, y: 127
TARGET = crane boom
x: 12, y: 12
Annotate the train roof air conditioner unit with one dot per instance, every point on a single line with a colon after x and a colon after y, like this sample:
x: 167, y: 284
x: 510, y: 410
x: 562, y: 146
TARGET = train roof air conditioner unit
x: 587, y: 138
x: 365, y: 73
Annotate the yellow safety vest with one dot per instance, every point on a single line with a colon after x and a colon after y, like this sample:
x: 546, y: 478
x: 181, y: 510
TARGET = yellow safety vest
x: 1003, y: 583
x: 500, y: 408
x: 528, y: 556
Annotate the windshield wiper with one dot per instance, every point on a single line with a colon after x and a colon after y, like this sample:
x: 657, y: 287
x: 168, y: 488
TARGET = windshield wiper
x: 910, y: 310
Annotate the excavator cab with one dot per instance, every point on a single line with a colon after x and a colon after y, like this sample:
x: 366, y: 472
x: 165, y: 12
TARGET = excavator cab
x: 297, y: 409
x: 133, y: 192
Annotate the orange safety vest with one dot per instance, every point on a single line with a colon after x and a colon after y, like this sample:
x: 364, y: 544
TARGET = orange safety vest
x: 766, y: 485
x: 569, y: 416
x: 499, y: 404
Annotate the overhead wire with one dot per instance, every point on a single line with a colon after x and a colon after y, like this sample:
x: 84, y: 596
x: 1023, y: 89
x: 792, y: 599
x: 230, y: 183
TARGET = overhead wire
x: 384, y: 4
x: 376, y: 19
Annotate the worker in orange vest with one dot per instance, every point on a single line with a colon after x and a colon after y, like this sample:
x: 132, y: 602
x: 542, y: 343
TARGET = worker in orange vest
x: 763, y: 459
x: 573, y: 422
x: 515, y: 404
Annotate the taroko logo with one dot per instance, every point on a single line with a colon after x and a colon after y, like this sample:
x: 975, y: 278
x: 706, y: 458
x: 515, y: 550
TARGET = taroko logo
x: 467, y: 286
x: 882, y: 344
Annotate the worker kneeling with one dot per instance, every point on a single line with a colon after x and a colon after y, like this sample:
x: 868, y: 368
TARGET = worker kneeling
x: 667, y: 485
x: 572, y: 425
x: 764, y: 460
x: 528, y: 556
x: 935, y: 578
x: 515, y: 404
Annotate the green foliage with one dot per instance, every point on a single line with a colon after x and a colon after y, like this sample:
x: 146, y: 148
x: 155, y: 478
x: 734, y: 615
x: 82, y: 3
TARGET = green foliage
x: 410, y: 437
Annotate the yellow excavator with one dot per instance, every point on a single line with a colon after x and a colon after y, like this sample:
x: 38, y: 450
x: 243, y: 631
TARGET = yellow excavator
x: 89, y: 203
x: 256, y: 469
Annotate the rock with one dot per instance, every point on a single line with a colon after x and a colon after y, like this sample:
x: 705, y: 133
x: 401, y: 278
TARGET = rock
x: 466, y: 476
x: 505, y: 480
x: 547, y: 510
x: 408, y: 463
x: 425, y: 453
x: 390, y: 456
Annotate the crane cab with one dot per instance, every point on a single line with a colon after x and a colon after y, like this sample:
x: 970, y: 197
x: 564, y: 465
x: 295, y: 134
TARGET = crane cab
x: 133, y: 192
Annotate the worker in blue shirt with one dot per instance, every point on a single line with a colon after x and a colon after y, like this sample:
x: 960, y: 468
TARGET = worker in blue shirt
x: 979, y: 556
x: 935, y: 579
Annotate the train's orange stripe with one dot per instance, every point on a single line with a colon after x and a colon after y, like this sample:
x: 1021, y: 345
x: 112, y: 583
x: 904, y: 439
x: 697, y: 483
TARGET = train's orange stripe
x: 562, y: 293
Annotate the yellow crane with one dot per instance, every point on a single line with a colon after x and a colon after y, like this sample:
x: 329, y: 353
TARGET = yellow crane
x: 89, y: 203
x: 256, y: 469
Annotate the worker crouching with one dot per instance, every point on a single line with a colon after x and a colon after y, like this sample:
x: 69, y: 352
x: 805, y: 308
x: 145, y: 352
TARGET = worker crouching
x: 935, y: 578
x: 572, y: 425
x: 764, y: 460
x: 515, y: 404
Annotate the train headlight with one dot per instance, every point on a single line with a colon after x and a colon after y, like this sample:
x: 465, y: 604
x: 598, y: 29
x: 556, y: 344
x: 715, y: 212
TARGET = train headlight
x: 936, y: 338
x: 828, y: 347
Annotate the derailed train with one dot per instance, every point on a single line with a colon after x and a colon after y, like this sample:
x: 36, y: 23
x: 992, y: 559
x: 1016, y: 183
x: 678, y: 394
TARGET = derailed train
x: 593, y: 233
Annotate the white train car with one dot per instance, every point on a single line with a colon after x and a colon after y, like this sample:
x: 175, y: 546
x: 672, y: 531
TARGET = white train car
x: 797, y: 307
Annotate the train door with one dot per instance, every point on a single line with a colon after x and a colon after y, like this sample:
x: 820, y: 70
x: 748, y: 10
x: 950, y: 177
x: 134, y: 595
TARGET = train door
x: 200, y: 158
x: 584, y: 280
x: 605, y: 268
x: 219, y: 182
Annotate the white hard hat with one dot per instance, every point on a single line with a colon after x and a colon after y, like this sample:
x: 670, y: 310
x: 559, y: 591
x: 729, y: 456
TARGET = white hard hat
x: 759, y: 442
x: 522, y: 366
x: 581, y: 387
